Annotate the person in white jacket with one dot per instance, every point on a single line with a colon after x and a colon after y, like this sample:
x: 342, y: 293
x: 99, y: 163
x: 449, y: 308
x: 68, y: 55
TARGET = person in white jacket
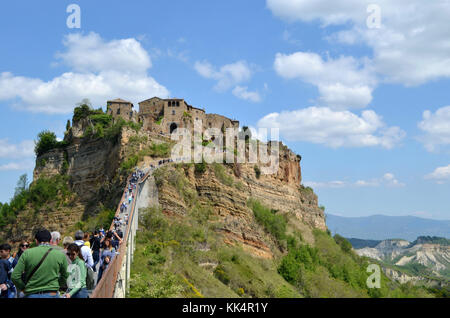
x: 85, y: 250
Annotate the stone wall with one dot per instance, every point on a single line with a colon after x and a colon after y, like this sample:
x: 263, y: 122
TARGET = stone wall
x: 123, y: 110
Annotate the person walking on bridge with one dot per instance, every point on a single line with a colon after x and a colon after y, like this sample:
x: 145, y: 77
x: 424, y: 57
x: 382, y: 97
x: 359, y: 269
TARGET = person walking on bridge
x: 106, y: 257
x: 85, y: 250
x: 41, y: 271
x: 78, y: 272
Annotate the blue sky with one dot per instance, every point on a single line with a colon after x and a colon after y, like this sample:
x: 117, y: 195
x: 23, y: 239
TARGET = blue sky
x: 347, y: 97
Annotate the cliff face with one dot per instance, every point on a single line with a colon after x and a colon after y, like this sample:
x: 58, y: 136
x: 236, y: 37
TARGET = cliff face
x: 89, y: 164
x: 280, y: 192
x: 91, y: 171
x: 92, y: 168
x: 427, y: 263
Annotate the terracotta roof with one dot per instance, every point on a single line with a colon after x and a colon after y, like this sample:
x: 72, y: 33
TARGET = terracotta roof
x: 119, y: 100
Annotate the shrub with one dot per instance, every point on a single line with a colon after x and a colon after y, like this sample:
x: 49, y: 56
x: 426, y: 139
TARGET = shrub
x: 46, y: 141
x: 130, y: 163
x: 158, y: 122
x: 160, y: 150
x: 103, y: 119
x: 221, y: 174
x: 273, y: 223
x: 345, y: 245
x: 81, y: 112
x: 200, y: 167
x: 257, y: 171
x: 290, y: 269
x: 220, y: 274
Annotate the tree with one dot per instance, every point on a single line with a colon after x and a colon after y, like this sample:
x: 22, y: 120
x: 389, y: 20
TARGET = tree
x: 46, y: 141
x: 22, y: 185
x: 68, y: 125
x: 83, y: 110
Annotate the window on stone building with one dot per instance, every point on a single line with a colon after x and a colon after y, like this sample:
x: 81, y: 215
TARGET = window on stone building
x: 173, y: 112
x: 178, y: 103
x: 118, y: 111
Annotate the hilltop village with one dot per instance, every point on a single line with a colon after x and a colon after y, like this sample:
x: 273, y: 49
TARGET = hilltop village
x: 163, y: 116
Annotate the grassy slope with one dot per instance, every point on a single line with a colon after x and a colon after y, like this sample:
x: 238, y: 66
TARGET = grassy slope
x: 186, y: 257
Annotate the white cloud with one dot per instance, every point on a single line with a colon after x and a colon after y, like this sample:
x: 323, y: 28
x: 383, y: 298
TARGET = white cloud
x: 436, y: 128
x: 227, y: 76
x: 411, y: 47
x: 25, y: 165
x: 388, y: 180
x: 91, y: 53
x: 440, y: 174
x: 243, y: 93
x: 329, y: 184
x: 100, y: 71
x: 335, y: 129
x: 12, y: 151
x: 342, y: 83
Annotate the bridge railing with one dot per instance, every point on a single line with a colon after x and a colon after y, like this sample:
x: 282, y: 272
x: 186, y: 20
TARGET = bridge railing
x: 115, y: 280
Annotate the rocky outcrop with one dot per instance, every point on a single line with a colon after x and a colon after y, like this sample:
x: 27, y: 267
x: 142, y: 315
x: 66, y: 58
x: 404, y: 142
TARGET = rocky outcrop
x: 434, y: 258
x: 280, y: 192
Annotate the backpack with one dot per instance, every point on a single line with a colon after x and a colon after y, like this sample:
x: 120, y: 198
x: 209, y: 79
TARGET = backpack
x: 90, y: 281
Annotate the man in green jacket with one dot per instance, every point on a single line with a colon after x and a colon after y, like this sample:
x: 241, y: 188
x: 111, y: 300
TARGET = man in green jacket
x: 49, y: 276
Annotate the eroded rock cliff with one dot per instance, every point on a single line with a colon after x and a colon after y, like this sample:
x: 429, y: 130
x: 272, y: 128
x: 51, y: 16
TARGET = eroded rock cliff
x: 227, y: 188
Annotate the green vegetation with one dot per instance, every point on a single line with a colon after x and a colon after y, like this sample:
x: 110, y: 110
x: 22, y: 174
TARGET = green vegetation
x: 329, y: 269
x: 154, y: 150
x: 432, y: 240
x: 46, y: 142
x: 274, y: 224
x: 39, y: 193
x: 170, y: 263
x: 185, y: 255
x: 200, y: 167
x: 221, y: 174
x: 306, y: 191
x: 345, y: 245
x: 102, y: 125
x: 158, y: 122
x: 101, y: 220
x: 257, y: 171
x: 84, y: 110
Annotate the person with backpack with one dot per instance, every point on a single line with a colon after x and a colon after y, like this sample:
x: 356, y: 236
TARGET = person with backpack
x: 41, y: 271
x: 85, y: 250
x: 5, y: 254
x: 77, y: 271
x: 95, y: 246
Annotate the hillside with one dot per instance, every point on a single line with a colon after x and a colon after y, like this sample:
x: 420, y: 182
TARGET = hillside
x: 222, y: 231
x: 219, y: 230
x: 381, y: 227
x: 77, y: 182
x: 424, y: 261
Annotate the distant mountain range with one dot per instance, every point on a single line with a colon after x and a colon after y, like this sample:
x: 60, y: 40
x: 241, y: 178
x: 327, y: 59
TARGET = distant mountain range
x: 426, y: 260
x: 382, y: 227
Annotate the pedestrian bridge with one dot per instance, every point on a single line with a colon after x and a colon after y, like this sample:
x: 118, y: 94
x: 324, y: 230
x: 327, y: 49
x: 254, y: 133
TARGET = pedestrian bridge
x: 116, y: 279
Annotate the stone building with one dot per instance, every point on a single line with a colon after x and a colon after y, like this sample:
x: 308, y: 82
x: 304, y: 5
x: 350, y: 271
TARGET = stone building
x: 121, y: 108
x: 165, y: 115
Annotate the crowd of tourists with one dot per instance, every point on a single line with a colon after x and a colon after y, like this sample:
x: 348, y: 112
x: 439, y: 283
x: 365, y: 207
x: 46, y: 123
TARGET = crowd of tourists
x: 56, y: 268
